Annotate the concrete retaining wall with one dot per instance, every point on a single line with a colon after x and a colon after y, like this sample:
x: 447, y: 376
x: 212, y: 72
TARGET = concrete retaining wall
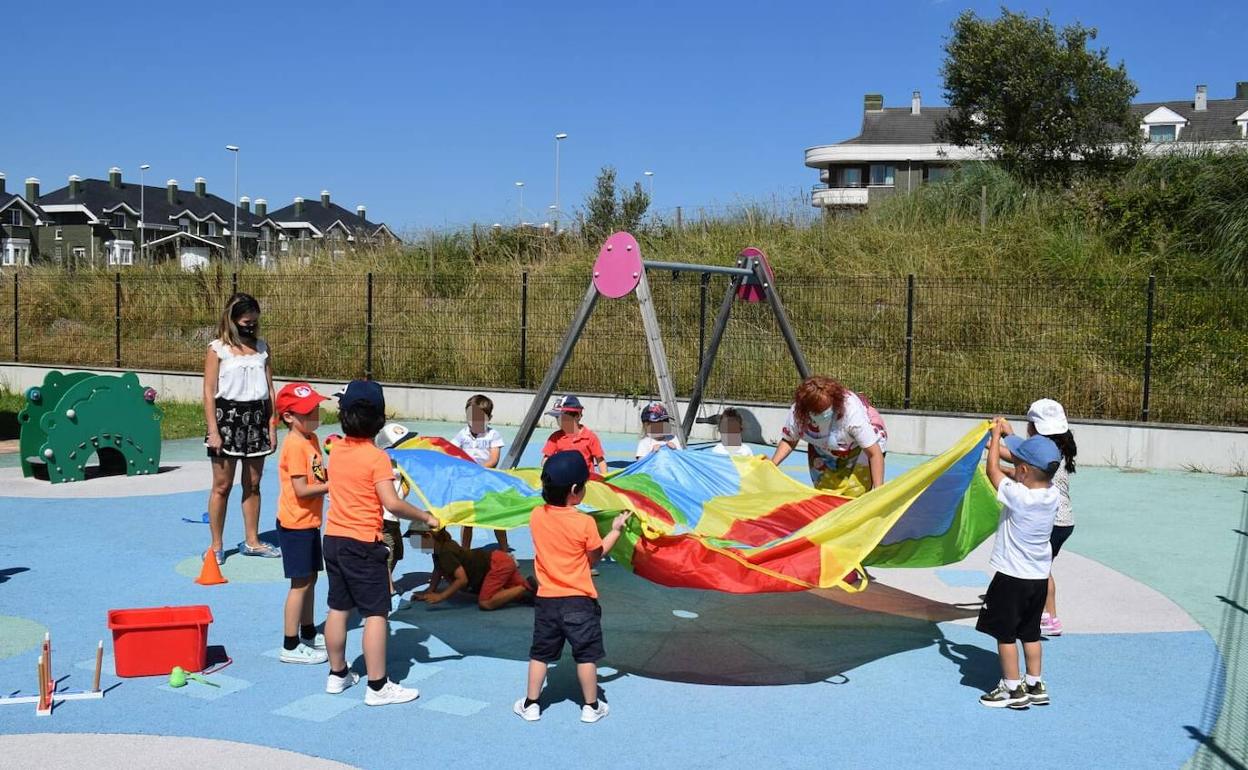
x: 1135, y: 445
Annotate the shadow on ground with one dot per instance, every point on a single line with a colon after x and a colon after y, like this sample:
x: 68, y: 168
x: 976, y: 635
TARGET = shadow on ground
x: 717, y: 638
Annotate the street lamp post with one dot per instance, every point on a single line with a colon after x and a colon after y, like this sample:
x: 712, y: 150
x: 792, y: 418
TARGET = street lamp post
x: 520, y: 187
x: 558, y: 139
x: 650, y: 174
x: 142, y: 209
x: 234, y: 232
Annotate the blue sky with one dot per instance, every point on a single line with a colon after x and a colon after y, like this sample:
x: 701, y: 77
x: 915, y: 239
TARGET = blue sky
x: 428, y: 113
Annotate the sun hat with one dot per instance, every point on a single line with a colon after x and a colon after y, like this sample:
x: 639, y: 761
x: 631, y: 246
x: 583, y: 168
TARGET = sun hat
x: 1048, y: 416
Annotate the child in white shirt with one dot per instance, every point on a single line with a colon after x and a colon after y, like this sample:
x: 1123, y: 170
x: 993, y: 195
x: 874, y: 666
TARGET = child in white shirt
x: 484, y: 445
x: 730, y: 428
x: 654, y: 421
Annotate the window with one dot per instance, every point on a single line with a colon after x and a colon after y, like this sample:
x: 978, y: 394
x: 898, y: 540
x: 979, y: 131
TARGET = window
x: 937, y: 173
x: 15, y: 216
x: 881, y: 175
x: 60, y: 233
x: 15, y: 252
x: 119, y: 220
x: 121, y: 253
x: 80, y: 254
x: 59, y: 252
x: 265, y: 233
x: 210, y: 229
x: 184, y: 225
x: 849, y: 177
x: 1162, y: 133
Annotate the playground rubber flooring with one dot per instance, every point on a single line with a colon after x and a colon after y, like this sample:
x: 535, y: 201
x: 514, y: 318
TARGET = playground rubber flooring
x: 1151, y: 672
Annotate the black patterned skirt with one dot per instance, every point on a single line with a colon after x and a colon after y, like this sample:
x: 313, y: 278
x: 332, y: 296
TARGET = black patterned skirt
x: 244, y: 428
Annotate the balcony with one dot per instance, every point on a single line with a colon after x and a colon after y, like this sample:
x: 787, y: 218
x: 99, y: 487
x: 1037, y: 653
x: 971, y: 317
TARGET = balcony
x: 823, y: 196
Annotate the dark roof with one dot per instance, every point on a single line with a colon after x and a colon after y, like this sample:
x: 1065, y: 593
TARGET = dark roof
x: 1216, y: 123
x: 322, y: 217
x: 7, y: 198
x: 895, y: 125
x: 98, y: 196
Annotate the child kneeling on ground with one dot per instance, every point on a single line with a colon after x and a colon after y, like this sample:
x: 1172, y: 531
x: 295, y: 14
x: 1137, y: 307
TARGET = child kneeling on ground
x: 1022, y: 557
x: 566, y: 543
x: 490, y: 573
x: 301, y: 497
x: 362, y: 484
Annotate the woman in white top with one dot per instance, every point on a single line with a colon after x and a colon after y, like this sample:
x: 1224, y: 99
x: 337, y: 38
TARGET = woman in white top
x: 238, y: 408
x: 844, y: 435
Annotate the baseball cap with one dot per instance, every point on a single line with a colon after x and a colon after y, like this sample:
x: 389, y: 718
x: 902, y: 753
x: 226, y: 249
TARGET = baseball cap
x: 298, y: 398
x: 1038, y: 451
x: 654, y: 413
x: 565, y: 469
x: 1048, y: 416
x: 365, y: 391
x: 566, y: 405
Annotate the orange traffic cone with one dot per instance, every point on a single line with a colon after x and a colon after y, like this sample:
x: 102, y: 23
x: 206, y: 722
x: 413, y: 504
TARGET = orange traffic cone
x: 210, y: 575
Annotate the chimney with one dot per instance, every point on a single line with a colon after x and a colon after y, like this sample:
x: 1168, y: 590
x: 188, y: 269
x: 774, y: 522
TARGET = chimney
x: 201, y: 187
x: 298, y: 208
x: 914, y: 103
x: 1241, y: 89
x: 262, y: 208
x: 360, y: 211
x: 75, y: 186
x: 1, y: 183
x: 32, y: 190
x: 244, y: 203
x: 873, y: 103
x: 114, y: 178
x: 1202, y: 98
x: 171, y: 192
x: 325, y: 198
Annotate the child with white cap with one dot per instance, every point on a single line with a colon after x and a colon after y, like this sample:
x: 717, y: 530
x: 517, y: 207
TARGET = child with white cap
x: 1047, y: 417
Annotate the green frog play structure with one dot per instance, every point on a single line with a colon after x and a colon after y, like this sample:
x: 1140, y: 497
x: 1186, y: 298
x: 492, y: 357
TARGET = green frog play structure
x: 72, y: 417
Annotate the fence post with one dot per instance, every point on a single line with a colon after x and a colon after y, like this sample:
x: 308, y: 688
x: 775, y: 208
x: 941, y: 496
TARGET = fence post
x: 234, y: 283
x: 117, y: 320
x: 524, y: 329
x: 17, y: 350
x: 909, y: 335
x: 368, y: 331
x: 983, y: 207
x: 703, y: 284
x: 679, y: 224
x: 1148, y: 346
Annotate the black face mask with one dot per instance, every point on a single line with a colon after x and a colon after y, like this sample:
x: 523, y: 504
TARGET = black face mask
x: 249, y: 331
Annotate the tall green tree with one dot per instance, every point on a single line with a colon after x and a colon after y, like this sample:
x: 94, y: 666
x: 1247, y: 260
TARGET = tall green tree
x: 606, y: 211
x: 1035, y: 97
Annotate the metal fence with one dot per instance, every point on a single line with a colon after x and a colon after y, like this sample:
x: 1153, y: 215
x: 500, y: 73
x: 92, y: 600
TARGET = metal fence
x: 1139, y: 349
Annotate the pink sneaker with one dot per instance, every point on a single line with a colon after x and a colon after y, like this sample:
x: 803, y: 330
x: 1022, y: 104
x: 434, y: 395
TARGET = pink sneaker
x: 1050, y: 626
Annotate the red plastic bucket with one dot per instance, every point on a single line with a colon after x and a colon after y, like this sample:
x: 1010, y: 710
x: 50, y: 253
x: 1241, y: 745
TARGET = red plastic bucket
x: 150, y: 641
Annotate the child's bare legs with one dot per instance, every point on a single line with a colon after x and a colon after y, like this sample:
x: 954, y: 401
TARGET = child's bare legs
x: 503, y: 597
x: 537, y: 677
x: 375, y: 632
x: 336, y: 639
x: 501, y: 536
x: 299, y: 604
x: 1008, y: 652
x: 465, y: 537
x: 587, y: 675
x: 253, y: 467
x: 1032, y: 653
x: 1050, y: 602
x: 219, y: 497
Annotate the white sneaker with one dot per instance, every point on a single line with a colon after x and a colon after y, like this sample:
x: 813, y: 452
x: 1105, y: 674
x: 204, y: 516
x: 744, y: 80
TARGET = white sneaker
x: 318, y: 642
x: 530, y: 713
x: 391, y: 693
x: 336, y: 684
x: 304, y: 654
x: 593, y: 715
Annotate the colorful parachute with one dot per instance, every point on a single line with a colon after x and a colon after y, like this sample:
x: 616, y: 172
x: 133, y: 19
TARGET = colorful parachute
x: 735, y: 524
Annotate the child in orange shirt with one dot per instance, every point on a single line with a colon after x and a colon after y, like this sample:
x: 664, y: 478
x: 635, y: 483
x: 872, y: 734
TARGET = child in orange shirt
x: 575, y: 436
x: 301, y: 483
x: 355, y: 556
x: 566, y: 544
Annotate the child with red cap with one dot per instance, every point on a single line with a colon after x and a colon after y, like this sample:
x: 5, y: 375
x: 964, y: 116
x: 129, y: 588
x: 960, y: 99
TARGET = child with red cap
x: 302, y: 484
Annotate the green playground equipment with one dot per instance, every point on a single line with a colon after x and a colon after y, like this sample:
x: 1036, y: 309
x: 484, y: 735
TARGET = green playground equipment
x: 74, y: 416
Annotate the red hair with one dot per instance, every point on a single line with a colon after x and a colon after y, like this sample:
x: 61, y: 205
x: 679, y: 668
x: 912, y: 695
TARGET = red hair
x: 815, y: 395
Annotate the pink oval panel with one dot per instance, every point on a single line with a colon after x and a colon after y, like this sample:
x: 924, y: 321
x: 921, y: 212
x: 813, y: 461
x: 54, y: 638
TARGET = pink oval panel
x: 617, y: 271
x: 751, y: 291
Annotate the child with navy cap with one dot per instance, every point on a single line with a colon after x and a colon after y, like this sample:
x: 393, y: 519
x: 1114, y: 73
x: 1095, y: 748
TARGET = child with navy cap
x: 655, y: 422
x: 566, y: 544
x: 1022, y: 558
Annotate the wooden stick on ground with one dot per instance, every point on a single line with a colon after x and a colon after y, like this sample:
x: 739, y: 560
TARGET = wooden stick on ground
x: 99, y: 663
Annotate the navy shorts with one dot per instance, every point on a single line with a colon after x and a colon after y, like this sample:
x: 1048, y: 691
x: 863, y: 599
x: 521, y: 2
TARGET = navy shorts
x: 301, y: 551
x: 1012, y: 608
x: 575, y: 619
x: 1059, y: 536
x: 358, y: 578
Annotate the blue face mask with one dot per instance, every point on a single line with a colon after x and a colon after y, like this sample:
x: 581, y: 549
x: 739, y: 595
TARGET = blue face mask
x: 823, y: 420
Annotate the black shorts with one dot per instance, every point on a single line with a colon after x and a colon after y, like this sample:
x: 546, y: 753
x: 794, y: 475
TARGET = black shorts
x: 244, y: 428
x: 1012, y: 608
x: 577, y: 619
x: 1059, y: 536
x: 358, y: 579
x: 301, y: 551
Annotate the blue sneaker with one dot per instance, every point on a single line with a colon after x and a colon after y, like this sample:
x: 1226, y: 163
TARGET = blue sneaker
x: 265, y: 550
x: 220, y: 553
